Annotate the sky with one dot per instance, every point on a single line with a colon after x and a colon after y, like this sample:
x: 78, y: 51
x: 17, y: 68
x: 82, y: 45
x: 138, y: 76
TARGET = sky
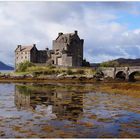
x: 110, y: 30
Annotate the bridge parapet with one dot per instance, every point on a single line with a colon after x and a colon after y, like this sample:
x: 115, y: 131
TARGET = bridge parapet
x: 107, y: 68
x: 121, y: 68
x: 134, y: 67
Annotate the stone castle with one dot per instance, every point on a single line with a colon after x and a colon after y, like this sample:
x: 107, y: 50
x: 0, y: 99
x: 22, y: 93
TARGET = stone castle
x: 67, y: 50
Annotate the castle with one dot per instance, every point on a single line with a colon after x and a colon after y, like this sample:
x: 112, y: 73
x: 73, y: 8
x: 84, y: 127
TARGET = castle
x: 67, y: 50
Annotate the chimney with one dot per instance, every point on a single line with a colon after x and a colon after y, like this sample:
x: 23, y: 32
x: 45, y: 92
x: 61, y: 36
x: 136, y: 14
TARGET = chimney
x: 19, y: 46
x: 47, y: 49
x: 34, y: 45
x: 76, y: 32
x: 59, y: 34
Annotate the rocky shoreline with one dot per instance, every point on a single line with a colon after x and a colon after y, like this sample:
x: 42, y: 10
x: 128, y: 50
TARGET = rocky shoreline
x: 28, y: 78
x: 56, y: 78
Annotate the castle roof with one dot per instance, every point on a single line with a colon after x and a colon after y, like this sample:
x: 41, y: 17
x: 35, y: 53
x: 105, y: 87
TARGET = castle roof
x: 67, y: 35
x: 24, y: 48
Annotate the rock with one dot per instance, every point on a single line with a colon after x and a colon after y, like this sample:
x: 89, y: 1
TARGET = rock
x: 29, y: 76
x: 89, y: 76
x: 2, y: 133
x: 82, y: 78
x: 62, y: 75
x: 99, y: 76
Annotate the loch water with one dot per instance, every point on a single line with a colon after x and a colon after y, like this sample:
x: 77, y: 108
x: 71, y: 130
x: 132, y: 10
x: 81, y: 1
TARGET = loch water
x: 66, y: 111
x: 6, y: 71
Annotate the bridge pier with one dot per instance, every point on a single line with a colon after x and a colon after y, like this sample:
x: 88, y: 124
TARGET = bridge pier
x: 127, y: 73
x: 127, y: 77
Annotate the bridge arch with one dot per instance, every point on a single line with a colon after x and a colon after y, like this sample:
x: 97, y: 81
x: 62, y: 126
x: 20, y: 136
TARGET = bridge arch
x: 131, y: 76
x: 100, y: 74
x: 120, y: 75
x: 123, y: 73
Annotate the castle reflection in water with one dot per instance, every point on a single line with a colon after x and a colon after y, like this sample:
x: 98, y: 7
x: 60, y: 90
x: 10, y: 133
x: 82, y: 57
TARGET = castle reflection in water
x: 65, y: 104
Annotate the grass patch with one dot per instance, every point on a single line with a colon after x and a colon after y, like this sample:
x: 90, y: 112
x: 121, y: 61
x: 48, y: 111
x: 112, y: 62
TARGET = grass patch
x: 52, y: 70
x: 131, y: 89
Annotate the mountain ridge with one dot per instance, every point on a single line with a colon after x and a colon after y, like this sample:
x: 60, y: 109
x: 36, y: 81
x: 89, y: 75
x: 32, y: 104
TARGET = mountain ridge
x: 4, y: 66
x: 118, y: 62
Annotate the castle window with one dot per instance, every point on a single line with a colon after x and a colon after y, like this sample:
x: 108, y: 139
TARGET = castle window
x: 17, y: 57
x: 25, y: 57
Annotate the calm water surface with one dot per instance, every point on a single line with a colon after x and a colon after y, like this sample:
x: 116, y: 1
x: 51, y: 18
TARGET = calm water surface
x: 6, y: 71
x: 66, y: 111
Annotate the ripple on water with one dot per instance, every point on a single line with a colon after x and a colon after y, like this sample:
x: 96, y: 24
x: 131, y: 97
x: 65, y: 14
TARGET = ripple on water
x: 56, y: 111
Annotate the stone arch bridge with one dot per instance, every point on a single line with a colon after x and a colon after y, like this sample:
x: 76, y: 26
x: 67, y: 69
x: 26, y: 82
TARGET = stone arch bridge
x: 126, y: 73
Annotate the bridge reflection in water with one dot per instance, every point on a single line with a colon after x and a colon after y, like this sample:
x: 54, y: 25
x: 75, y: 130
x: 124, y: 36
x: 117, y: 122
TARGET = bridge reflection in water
x: 64, y: 104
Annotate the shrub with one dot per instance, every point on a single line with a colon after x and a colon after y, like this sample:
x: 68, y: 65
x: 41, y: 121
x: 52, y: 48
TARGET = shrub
x: 69, y: 72
x: 85, y: 63
x: 51, y: 67
x: 22, y: 67
x: 110, y: 64
x: 80, y: 71
x: 49, y: 72
x: 63, y: 71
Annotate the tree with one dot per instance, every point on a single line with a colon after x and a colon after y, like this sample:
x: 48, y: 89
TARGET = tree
x: 85, y: 63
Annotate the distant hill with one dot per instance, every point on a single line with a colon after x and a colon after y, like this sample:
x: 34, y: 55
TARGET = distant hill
x: 118, y: 62
x: 94, y: 64
x: 5, y: 67
x: 130, y: 62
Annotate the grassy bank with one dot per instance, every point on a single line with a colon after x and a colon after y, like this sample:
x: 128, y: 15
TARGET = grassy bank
x: 53, y: 70
x: 53, y: 74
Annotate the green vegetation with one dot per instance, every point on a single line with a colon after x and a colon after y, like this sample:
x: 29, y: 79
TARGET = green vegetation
x: 22, y: 67
x: 69, y: 72
x: 85, y: 63
x: 23, y: 89
x: 138, y: 74
x: 80, y: 71
x: 40, y: 70
x: 110, y: 64
x: 121, y: 62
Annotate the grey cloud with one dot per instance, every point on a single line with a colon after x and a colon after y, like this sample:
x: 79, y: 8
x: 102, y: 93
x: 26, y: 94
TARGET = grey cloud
x: 39, y: 22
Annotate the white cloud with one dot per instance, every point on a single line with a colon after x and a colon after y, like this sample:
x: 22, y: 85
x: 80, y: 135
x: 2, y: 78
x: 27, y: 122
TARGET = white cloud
x: 40, y: 22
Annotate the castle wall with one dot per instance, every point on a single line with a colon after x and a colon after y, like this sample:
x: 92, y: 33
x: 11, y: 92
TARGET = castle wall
x: 33, y: 54
x: 72, y: 46
x: 67, y: 60
x: 77, y: 53
x: 59, y: 45
x: 42, y: 56
x: 67, y: 51
x: 22, y: 56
